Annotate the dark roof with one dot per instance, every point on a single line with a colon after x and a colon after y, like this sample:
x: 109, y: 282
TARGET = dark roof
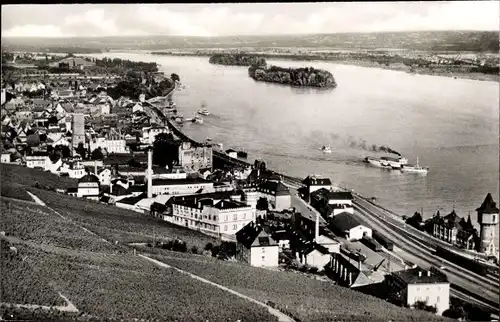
x: 89, y: 178
x: 281, y: 235
x: 230, y: 150
x: 229, y: 204
x: 212, y: 195
x: 410, y: 276
x: 72, y: 190
x: 105, y: 199
x: 314, y: 181
x: 344, y: 221
x: 488, y: 206
x: 117, y: 190
x: 340, y: 195
x: 313, y: 246
x: 156, y: 206
x: 254, y: 236
x: 132, y: 200
x: 275, y: 188
x: 171, y: 182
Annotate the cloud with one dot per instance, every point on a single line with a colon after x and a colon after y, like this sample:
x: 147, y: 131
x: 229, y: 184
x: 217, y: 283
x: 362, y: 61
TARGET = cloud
x: 245, y: 19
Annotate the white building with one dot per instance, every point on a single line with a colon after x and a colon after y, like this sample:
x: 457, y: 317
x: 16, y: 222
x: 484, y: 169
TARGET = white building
x: 5, y: 158
x: 314, y: 255
x: 255, y: 247
x: 332, y: 203
x: 110, y: 145
x: 38, y: 160
x: 276, y: 193
x: 347, y: 225
x: 149, y: 133
x: 416, y: 284
x: 232, y: 153
x: 88, y: 187
x: 315, y: 182
x: 104, y: 177
x: 75, y: 169
x: 216, y: 216
x: 181, y: 186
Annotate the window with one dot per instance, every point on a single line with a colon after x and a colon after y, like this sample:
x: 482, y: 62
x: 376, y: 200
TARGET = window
x: 263, y: 258
x: 235, y: 227
x: 226, y: 217
x: 427, y: 299
x: 263, y: 249
x: 235, y: 217
x: 494, y: 217
x: 437, y: 300
x: 225, y: 227
x: 244, y: 216
x: 418, y: 289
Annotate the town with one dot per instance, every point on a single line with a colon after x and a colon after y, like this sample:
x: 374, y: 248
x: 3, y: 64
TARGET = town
x: 111, y: 125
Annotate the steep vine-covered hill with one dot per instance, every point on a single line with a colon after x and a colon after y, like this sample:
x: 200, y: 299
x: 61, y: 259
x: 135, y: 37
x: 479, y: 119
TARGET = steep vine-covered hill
x: 307, y: 76
x: 237, y: 60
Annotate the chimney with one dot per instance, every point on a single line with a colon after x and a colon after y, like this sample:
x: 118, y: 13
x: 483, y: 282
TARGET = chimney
x: 150, y: 173
x: 420, y: 274
x: 316, y: 228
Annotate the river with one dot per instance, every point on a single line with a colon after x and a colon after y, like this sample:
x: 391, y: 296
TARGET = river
x: 451, y: 125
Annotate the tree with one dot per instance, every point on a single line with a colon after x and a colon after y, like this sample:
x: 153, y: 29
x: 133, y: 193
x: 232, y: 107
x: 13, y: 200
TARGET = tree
x: 165, y: 150
x: 64, y: 150
x: 209, y: 246
x: 262, y: 204
x: 97, y: 154
x: 81, y: 150
x: 30, y: 132
x: 133, y: 163
x: 33, y: 140
x: 43, y: 137
x: 175, y: 77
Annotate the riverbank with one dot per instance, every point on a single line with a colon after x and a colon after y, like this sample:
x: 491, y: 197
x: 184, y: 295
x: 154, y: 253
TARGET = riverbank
x: 458, y: 72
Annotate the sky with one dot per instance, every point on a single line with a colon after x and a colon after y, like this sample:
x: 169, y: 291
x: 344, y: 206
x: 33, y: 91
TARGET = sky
x: 94, y: 20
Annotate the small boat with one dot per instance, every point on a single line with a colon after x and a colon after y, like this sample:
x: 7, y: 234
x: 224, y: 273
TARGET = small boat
x: 197, y: 119
x: 203, y: 110
x: 209, y: 139
x: 242, y: 154
x: 414, y: 169
x: 326, y: 149
x: 387, y: 162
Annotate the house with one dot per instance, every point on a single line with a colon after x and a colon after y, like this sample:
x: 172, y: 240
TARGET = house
x: 5, y: 157
x: 149, y: 133
x: 137, y: 108
x: 277, y: 194
x: 216, y: 215
x: 314, y: 255
x: 181, y: 186
x: 104, y: 177
x: 282, y: 237
x: 88, y: 187
x: 130, y: 203
x: 346, y: 272
x: 195, y: 157
x: 454, y: 230
x: 74, y: 168
x: 347, y: 225
x: 38, y: 160
x: 111, y: 144
x: 256, y: 247
x: 416, y: 284
x: 315, y: 182
x: 330, y: 203
x: 73, y: 63
x: 232, y: 153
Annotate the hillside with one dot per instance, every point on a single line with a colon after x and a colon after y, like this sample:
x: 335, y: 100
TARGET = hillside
x: 104, y: 280
x: 479, y: 41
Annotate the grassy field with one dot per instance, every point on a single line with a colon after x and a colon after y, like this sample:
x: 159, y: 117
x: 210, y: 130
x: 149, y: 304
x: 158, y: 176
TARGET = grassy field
x: 14, y: 190
x: 307, y: 299
x: 116, y: 224
x: 28, y: 177
x: 106, y: 283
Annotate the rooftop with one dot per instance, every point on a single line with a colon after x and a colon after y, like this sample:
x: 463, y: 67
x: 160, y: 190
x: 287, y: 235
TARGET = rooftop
x: 420, y: 276
x: 344, y: 221
x: 488, y: 206
x: 253, y: 235
x: 173, y: 182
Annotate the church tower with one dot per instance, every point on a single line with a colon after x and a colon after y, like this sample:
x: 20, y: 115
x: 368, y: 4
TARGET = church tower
x: 487, y: 217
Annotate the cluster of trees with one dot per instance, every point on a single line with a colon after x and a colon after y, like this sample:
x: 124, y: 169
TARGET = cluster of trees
x: 307, y: 76
x: 237, y: 60
x: 132, y: 86
x: 416, y: 221
x: 127, y: 64
x: 165, y: 150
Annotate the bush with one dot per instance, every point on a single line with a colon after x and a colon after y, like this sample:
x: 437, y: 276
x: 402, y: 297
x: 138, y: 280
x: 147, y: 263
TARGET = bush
x: 194, y: 250
x: 313, y: 270
x: 209, y: 246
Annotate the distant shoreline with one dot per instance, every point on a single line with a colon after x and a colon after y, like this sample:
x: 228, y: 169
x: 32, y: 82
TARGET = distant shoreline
x: 361, y: 63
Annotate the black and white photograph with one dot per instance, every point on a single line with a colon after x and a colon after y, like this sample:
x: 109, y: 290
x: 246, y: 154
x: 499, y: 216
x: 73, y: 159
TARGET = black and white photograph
x: 250, y: 162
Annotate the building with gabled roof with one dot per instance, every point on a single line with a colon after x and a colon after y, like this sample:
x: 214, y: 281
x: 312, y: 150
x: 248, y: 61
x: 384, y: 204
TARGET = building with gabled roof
x: 407, y: 287
x: 454, y: 230
x: 256, y: 247
x: 345, y: 223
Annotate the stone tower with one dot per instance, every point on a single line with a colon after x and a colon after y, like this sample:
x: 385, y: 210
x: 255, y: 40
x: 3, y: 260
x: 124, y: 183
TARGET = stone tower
x: 78, y: 128
x: 487, y: 217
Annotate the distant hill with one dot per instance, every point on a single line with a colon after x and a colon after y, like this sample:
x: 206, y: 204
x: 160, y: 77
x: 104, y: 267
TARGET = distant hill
x: 478, y: 41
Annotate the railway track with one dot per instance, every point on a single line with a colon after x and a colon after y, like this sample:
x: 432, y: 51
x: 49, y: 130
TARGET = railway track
x: 486, y: 299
